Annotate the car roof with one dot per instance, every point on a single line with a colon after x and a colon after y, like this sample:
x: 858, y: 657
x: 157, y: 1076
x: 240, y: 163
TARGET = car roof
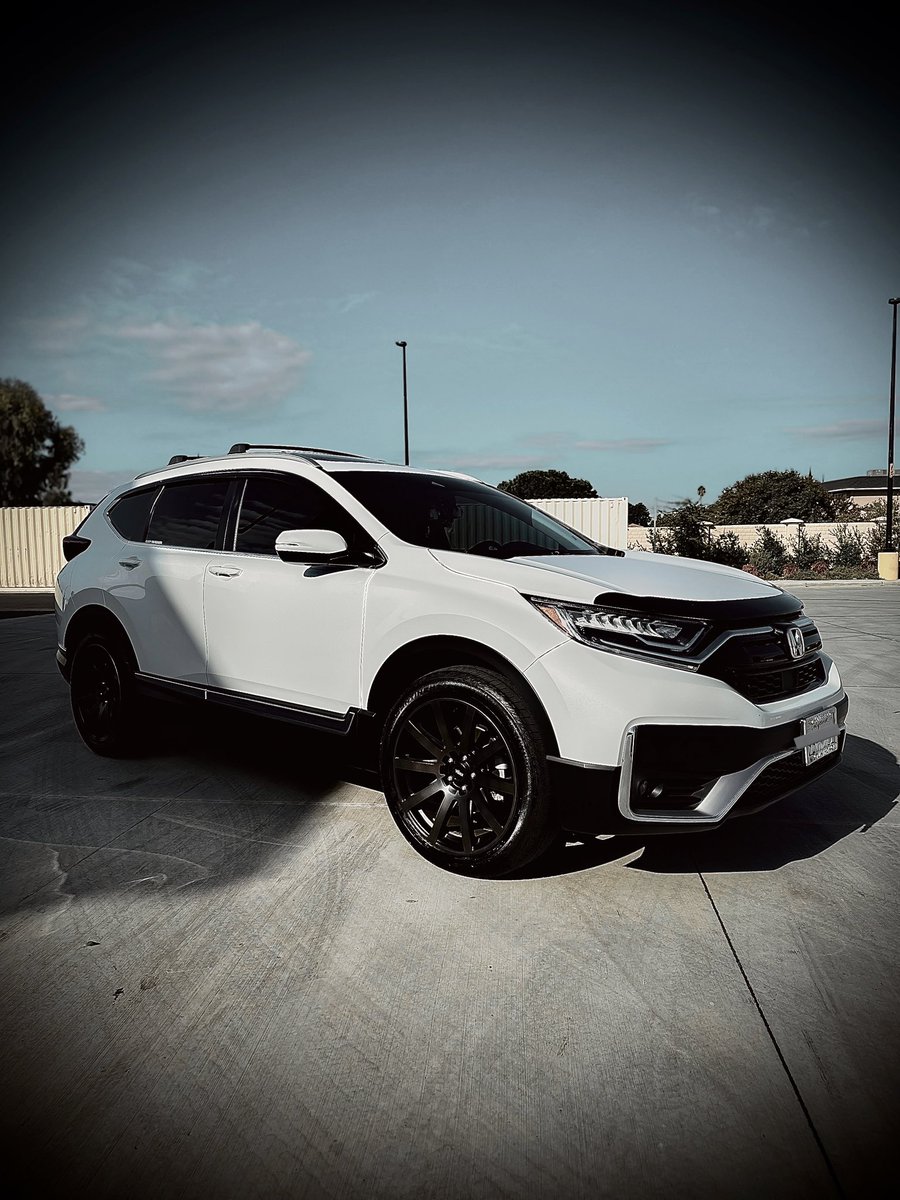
x: 244, y: 455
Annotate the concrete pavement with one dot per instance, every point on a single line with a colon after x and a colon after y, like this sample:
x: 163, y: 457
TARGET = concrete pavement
x: 225, y: 974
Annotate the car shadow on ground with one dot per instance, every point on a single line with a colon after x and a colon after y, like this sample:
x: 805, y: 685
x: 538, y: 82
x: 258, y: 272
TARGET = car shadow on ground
x: 855, y: 796
x: 274, y: 752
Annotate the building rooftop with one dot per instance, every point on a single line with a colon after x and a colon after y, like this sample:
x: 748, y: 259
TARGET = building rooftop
x: 859, y: 483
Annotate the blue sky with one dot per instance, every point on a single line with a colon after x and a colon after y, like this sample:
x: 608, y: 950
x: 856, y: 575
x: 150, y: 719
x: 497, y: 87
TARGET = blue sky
x: 651, y: 250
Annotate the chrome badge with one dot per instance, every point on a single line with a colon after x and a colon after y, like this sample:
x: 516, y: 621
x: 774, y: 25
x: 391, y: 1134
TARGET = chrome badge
x: 795, y: 641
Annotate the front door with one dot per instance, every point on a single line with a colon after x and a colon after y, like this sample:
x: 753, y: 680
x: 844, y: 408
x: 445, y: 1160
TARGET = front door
x: 284, y: 631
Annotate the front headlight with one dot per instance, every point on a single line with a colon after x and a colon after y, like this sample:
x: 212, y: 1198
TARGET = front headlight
x: 622, y: 629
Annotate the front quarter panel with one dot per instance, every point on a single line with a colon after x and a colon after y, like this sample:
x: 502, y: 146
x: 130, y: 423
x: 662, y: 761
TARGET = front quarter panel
x: 414, y: 597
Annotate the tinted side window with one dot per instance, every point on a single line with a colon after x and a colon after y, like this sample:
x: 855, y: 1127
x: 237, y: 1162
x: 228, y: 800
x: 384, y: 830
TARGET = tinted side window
x: 271, y: 505
x: 129, y: 516
x: 188, y: 514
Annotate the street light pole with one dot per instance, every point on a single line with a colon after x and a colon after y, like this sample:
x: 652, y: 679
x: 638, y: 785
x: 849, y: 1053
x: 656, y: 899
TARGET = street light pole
x: 889, y: 528
x: 402, y: 346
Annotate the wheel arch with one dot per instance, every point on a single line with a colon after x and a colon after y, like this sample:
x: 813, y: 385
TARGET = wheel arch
x: 94, y: 618
x: 420, y: 657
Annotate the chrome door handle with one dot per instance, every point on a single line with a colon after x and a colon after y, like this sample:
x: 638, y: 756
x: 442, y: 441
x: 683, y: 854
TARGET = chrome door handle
x: 130, y: 563
x: 225, y: 572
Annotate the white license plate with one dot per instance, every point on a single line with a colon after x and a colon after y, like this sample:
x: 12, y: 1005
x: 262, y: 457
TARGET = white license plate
x: 824, y: 723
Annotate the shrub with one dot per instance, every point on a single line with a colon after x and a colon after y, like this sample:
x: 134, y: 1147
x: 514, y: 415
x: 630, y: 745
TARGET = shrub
x: 873, y: 544
x: 662, y: 541
x: 848, y: 550
x: 809, y: 550
x: 865, y: 572
x: 727, y: 549
x: 768, y: 554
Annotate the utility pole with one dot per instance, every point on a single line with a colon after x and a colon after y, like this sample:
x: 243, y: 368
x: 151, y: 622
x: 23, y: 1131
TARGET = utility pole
x: 402, y: 346
x: 889, y: 528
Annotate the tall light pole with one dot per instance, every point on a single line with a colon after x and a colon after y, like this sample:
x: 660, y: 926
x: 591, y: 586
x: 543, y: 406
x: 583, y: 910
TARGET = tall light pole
x: 402, y: 346
x: 889, y: 528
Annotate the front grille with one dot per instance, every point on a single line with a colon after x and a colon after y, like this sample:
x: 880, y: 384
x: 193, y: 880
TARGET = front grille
x: 759, y: 665
x: 764, y: 686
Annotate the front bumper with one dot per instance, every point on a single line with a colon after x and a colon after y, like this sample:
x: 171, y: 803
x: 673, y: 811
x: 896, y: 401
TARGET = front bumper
x: 678, y: 777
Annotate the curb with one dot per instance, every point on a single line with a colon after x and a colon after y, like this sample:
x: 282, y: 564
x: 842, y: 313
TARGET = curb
x: 788, y: 584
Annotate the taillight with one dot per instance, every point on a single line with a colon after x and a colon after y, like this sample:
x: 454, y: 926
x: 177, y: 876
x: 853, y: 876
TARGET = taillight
x: 73, y: 544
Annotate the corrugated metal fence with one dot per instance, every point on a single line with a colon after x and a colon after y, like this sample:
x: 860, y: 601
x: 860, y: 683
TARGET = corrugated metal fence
x: 31, y: 543
x: 604, y: 521
x: 31, y: 538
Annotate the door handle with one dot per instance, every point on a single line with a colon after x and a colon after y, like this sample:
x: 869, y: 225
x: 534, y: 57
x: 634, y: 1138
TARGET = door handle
x: 130, y: 563
x: 225, y: 572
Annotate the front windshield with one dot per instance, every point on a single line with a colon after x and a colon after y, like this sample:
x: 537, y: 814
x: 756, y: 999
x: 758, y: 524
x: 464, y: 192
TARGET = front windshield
x: 444, y: 513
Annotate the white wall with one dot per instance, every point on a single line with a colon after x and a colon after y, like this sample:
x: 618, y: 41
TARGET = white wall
x: 639, y: 536
x: 604, y: 521
x: 31, y: 543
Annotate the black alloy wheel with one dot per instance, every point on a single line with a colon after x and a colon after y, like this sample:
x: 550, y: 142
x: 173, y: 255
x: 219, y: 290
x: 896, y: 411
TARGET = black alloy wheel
x: 464, y: 771
x: 102, y: 694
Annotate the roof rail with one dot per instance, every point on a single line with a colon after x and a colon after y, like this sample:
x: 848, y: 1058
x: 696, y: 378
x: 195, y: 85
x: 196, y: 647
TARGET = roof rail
x: 243, y: 447
x: 177, y: 458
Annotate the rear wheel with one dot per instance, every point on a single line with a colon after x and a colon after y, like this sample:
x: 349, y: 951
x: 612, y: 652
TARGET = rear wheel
x: 464, y: 770
x: 104, y: 702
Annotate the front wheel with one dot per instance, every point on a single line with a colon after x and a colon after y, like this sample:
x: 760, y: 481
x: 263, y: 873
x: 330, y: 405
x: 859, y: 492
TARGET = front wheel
x: 104, y: 703
x: 463, y: 766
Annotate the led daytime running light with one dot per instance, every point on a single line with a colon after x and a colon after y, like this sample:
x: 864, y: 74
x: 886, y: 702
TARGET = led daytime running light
x: 618, y: 628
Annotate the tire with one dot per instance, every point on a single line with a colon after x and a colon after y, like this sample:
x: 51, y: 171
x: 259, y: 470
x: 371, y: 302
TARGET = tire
x: 104, y: 700
x: 464, y: 771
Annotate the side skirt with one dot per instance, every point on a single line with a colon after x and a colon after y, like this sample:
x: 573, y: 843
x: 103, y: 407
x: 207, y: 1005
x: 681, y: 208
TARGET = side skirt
x: 295, y: 714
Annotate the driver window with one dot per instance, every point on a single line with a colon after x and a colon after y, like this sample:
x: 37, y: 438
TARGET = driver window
x: 272, y: 504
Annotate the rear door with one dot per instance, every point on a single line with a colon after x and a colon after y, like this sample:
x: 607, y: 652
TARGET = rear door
x: 284, y: 631
x: 156, y: 587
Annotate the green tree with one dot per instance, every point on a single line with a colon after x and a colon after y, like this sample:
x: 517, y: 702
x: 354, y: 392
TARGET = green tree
x: 687, y: 533
x: 548, y: 485
x: 770, y: 496
x: 36, y: 452
x: 638, y: 514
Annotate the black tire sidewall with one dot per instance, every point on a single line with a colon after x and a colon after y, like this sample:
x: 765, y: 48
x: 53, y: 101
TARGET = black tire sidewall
x: 533, y: 828
x: 120, y: 740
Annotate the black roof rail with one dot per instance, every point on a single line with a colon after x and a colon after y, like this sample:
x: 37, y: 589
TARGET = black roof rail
x: 243, y: 447
x: 177, y: 458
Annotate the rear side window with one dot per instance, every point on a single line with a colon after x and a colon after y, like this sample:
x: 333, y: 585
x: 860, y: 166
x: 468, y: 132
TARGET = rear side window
x: 189, y: 514
x: 129, y: 515
x: 271, y: 505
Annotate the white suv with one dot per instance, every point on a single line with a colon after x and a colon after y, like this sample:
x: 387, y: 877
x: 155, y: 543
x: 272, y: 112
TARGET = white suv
x: 521, y: 679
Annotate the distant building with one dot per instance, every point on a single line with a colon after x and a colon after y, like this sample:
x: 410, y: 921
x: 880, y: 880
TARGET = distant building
x: 861, y: 489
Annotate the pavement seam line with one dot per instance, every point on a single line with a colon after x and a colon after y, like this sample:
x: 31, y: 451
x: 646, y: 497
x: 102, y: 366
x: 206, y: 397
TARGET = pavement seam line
x: 768, y: 1028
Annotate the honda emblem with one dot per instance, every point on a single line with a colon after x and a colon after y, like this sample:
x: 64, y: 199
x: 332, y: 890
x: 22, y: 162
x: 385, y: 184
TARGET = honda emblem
x: 795, y: 641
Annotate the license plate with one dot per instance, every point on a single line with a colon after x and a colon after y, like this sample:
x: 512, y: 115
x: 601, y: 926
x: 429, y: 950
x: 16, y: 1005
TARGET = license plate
x: 824, y: 724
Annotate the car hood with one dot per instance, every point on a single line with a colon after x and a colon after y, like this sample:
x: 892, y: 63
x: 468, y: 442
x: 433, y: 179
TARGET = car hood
x: 582, y: 577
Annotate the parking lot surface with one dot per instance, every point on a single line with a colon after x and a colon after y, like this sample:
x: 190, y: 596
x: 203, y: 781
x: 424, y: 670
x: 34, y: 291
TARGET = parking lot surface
x: 225, y: 974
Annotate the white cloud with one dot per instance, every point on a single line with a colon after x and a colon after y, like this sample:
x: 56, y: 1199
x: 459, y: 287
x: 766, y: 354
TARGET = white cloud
x: 87, y: 487
x: 64, y: 402
x: 126, y: 278
x: 346, y: 303
x: 629, y: 445
x: 547, y: 441
x: 480, y: 462
x: 57, y: 334
x: 226, y: 368
x: 849, y: 430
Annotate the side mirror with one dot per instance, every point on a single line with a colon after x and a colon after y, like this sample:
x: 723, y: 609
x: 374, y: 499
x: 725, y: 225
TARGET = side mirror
x: 309, y: 545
